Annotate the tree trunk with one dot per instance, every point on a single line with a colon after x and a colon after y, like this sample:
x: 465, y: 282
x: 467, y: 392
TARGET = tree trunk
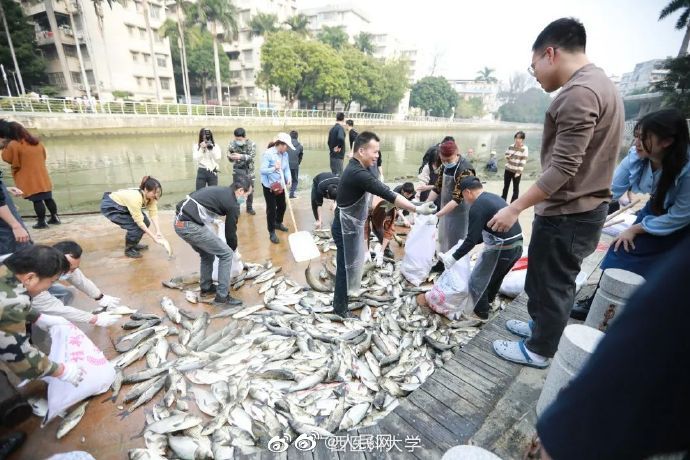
x: 154, y: 61
x: 686, y: 38
x: 85, y: 81
x: 9, y: 42
x: 89, y: 48
x: 216, y: 61
x: 203, y: 90
x: 185, y: 71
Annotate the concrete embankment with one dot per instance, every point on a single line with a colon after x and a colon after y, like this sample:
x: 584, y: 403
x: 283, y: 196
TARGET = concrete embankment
x: 77, y: 124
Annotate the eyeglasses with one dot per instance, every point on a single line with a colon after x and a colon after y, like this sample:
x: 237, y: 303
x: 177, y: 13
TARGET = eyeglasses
x: 530, y: 69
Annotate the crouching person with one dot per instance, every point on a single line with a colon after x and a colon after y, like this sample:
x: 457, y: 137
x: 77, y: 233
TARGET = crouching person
x: 501, y: 249
x: 194, y: 213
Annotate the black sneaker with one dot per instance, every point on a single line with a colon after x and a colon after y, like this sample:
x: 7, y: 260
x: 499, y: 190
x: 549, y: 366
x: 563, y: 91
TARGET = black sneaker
x: 251, y: 211
x: 40, y: 225
x: 581, y: 309
x: 209, y: 292
x: 226, y: 301
x: 282, y: 228
x: 141, y: 247
x: 132, y: 252
x: 54, y: 220
x: 274, y: 238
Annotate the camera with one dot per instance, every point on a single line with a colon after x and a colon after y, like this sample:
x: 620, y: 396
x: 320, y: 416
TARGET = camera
x: 208, y: 139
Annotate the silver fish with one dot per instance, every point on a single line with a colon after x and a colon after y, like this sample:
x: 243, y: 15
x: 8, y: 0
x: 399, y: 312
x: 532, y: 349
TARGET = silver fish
x: 171, y: 310
x: 71, y: 420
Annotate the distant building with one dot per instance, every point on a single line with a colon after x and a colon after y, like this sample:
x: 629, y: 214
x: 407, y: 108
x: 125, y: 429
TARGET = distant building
x: 488, y: 92
x: 643, y: 77
x: 114, y: 46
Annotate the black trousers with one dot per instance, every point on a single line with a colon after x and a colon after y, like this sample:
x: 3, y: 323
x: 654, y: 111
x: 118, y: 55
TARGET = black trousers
x: 556, y: 250
x: 506, y: 260
x: 340, y: 299
x: 294, y: 172
x: 337, y: 166
x: 275, y: 208
x: 204, y: 178
x: 509, y: 176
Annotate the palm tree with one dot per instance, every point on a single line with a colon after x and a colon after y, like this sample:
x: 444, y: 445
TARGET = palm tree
x: 335, y: 37
x: 672, y: 7
x: 263, y: 23
x: 152, y: 50
x: 485, y: 75
x: 299, y: 24
x: 174, y: 32
x: 215, y: 12
x: 364, y: 42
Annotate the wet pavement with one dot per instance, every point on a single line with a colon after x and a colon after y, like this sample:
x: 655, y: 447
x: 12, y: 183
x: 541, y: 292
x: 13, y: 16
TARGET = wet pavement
x: 138, y: 284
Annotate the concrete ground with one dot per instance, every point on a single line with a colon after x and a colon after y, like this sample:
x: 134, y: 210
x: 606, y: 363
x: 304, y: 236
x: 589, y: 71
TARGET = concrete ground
x: 138, y: 284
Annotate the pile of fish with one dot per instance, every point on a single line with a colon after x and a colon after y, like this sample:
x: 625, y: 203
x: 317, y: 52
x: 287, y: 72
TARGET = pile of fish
x: 250, y: 375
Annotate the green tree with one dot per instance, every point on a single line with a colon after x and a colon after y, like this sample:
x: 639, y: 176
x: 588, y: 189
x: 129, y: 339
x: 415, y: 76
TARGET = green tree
x: 682, y: 23
x: 299, y: 24
x: 486, y: 75
x: 217, y: 13
x: 676, y: 86
x: 364, y: 41
x: 201, y: 62
x: 173, y: 31
x: 394, y: 84
x: 529, y: 107
x: 263, y: 24
x: 469, y: 108
x: 326, y: 76
x: 281, y: 65
x: 363, y: 77
x: 335, y: 37
x: 30, y: 61
x: 435, y: 95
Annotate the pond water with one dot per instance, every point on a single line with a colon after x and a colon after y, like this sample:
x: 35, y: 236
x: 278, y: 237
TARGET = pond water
x: 83, y: 168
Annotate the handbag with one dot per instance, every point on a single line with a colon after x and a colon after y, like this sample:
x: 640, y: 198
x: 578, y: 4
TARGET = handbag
x: 277, y: 188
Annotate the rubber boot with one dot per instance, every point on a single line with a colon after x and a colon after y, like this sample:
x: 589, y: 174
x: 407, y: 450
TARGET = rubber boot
x: 131, y: 250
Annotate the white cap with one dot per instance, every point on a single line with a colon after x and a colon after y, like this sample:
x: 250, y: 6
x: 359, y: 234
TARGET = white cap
x: 285, y: 139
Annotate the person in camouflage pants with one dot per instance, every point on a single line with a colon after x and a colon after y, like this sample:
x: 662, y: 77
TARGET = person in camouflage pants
x: 241, y: 153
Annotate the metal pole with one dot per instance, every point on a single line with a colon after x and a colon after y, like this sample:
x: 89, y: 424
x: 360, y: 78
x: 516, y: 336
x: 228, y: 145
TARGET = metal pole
x: 9, y: 42
x: 4, y: 77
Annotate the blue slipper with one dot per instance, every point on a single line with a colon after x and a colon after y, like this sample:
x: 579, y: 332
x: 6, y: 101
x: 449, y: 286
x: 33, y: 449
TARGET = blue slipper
x: 515, y: 352
x: 520, y: 328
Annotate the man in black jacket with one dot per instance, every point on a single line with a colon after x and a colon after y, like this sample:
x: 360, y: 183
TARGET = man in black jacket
x: 194, y: 213
x: 295, y: 156
x: 351, y: 132
x: 336, y: 144
x: 325, y: 185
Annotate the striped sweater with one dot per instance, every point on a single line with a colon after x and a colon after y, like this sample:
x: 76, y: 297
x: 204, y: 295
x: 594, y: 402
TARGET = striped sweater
x: 516, y: 158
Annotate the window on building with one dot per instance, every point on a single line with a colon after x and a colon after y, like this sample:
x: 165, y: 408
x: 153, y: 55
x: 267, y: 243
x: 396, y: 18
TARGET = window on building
x: 139, y: 6
x: 135, y: 56
x: 248, y: 56
x: 146, y: 57
x: 234, y: 74
x: 131, y: 30
x: 57, y: 79
x: 139, y: 81
x: 162, y: 60
x: 154, y: 11
x: 156, y: 36
x: 90, y: 78
x: 248, y: 74
x: 150, y: 82
x: 76, y: 77
x: 244, y: 18
x: 70, y: 51
x: 142, y: 33
x: 165, y: 83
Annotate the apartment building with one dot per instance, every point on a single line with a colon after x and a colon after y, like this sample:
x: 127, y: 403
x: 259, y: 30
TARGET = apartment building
x: 643, y: 77
x: 488, y: 92
x: 114, y: 46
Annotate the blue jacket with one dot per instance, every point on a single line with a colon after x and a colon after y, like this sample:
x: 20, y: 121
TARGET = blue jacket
x: 268, y: 172
x: 677, y: 205
x: 634, y: 173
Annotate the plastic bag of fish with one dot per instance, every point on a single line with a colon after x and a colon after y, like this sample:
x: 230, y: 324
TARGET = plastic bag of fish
x: 419, y: 250
x: 71, y: 345
x: 450, y: 295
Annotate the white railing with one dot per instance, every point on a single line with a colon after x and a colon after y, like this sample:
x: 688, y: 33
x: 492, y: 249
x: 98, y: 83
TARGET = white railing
x: 96, y: 108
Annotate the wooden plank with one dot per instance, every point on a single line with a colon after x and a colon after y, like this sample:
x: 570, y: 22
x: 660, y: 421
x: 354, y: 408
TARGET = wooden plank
x: 426, y: 425
x: 377, y: 453
x: 457, y: 404
x: 483, y: 351
x: 466, y: 359
x: 463, y: 389
x: 295, y: 454
x: 439, y: 409
x: 394, y: 425
x: 443, y: 382
x: 485, y: 386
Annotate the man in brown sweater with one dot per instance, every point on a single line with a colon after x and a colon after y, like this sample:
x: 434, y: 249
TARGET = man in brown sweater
x: 582, y: 137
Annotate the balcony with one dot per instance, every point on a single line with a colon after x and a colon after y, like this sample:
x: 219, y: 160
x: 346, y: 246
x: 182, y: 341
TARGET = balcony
x: 66, y: 36
x: 32, y: 8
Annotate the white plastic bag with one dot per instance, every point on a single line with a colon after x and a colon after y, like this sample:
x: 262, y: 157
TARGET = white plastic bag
x: 514, y: 283
x: 70, y: 345
x: 419, y: 250
x: 237, y: 265
x: 450, y: 295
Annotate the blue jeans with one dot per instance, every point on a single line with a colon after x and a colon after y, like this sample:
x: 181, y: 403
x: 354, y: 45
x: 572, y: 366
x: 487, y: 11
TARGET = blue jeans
x: 119, y: 215
x: 294, y: 172
x: 340, y: 299
x: 62, y: 293
x: 8, y: 244
x: 208, y: 246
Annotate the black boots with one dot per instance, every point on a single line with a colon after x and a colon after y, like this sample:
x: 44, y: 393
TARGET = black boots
x: 40, y: 224
x: 131, y: 249
x: 274, y: 238
x: 54, y: 220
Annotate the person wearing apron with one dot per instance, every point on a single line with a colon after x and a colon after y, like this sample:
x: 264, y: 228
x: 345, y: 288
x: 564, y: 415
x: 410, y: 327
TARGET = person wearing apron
x: 357, y: 184
x: 501, y: 250
x: 452, y: 224
x: 194, y: 214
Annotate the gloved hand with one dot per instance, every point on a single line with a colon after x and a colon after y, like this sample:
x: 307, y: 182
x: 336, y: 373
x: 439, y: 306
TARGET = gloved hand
x: 105, y: 319
x: 45, y: 322
x: 367, y: 255
x: 427, y: 208
x: 378, y: 258
x: 71, y: 373
x: 109, y: 301
x: 447, y: 259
